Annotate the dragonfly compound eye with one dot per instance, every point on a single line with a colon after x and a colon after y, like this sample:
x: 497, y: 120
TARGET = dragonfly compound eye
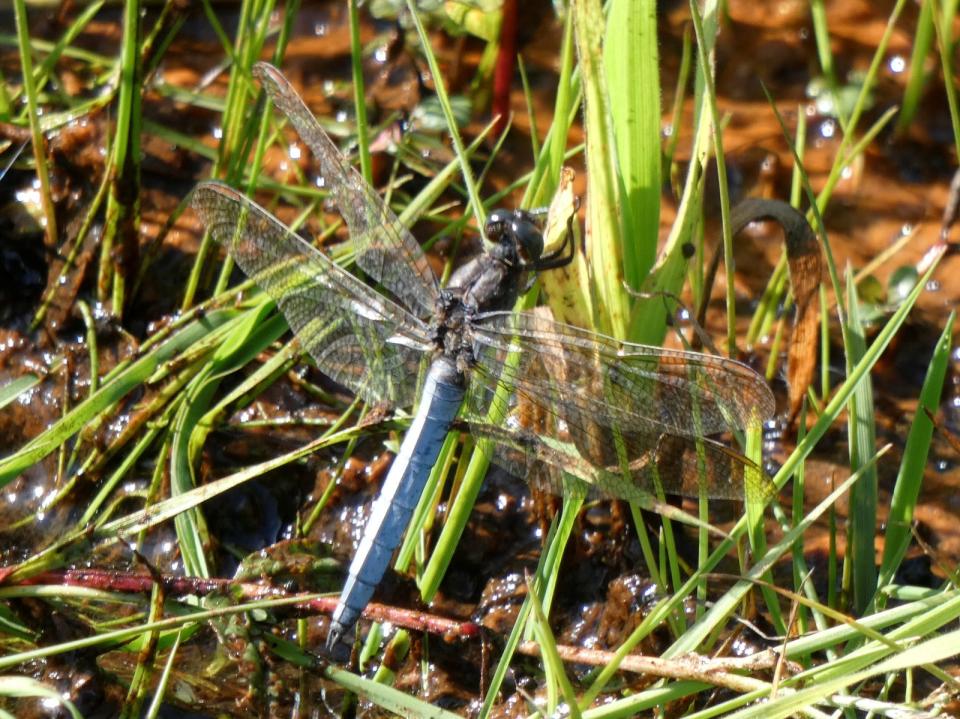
x: 496, y: 224
x: 528, y: 238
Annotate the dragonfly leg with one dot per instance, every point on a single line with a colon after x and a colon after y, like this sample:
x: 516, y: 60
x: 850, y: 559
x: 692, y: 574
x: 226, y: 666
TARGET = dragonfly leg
x: 563, y: 255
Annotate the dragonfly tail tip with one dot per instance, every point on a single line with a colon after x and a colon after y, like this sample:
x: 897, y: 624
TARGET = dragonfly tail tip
x: 334, y: 635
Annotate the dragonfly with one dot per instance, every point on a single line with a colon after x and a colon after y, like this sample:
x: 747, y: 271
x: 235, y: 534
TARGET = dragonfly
x: 627, y: 420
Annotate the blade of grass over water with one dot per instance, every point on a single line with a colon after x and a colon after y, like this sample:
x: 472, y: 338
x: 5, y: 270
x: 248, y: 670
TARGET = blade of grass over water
x: 123, y: 198
x: 821, y: 33
x: 476, y: 206
x: 25, y: 47
x: 73, y: 253
x: 249, y: 335
x: 909, y: 482
x: 359, y: 98
x: 53, y: 53
x: 631, y: 63
x: 21, y: 687
x: 531, y: 110
x: 944, y: 44
x: 542, y: 183
x: 917, y: 79
x: 161, y: 511
x: 604, y: 232
x: 554, y: 549
x: 555, y: 671
x: 15, y: 387
x: 237, y: 122
x: 520, y: 628
x: 110, y: 393
x: 706, y: 63
x: 862, y: 434
x: 679, y: 95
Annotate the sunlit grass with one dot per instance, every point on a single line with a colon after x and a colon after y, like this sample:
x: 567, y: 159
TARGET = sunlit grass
x: 189, y: 361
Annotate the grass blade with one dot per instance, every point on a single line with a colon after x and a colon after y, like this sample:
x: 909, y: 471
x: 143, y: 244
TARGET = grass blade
x: 110, y: 393
x: 604, y: 234
x: 633, y: 84
x: 915, y: 454
x: 862, y: 433
x: 36, y: 135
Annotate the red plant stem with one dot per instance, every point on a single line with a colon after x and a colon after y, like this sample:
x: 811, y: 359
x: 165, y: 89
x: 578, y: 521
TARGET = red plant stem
x: 506, y: 60
x: 142, y: 583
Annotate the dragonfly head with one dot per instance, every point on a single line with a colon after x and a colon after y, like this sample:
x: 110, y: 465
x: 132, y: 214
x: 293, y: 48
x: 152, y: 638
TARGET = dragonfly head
x: 518, y: 233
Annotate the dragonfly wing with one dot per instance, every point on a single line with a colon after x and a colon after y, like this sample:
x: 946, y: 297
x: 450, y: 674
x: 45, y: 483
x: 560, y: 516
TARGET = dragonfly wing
x: 385, y: 249
x: 668, y: 464
x: 358, y: 338
x: 619, y: 383
x: 627, y: 408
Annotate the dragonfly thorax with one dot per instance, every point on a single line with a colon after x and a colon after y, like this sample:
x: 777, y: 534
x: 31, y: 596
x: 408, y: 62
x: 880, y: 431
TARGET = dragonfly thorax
x: 490, y: 282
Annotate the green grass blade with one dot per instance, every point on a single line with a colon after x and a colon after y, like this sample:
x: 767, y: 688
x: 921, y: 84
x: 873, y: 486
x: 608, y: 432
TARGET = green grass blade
x: 906, y: 490
x: 108, y: 395
x: 53, y: 56
x: 604, y: 231
x: 248, y: 335
x: 517, y: 633
x: 15, y: 387
x: 476, y: 206
x: 191, y: 528
x: 821, y: 33
x: 23, y: 687
x: 917, y: 79
x: 543, y: 179
x: 946, y: 48
x: 572, y: 504
x: 359, y: 97
x: 691, y: 640
x: 123, y: 199
x: 705, y: 48
x: 36, y: 135
x: 632, y: 70
x: 386, y: 697
x: 136, y: 522
x: 862, y: 435
x: 647, y: 322
x: 554, y: 670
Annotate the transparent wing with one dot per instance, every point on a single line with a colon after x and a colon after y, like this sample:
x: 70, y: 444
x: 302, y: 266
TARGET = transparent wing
x: 668, y: 464
x: 627, y: 409
x: 358, y: 338
x: 385, y: 249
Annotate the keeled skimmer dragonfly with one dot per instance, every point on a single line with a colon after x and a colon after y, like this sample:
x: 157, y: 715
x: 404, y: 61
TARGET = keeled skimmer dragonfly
x: 629, y: 420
